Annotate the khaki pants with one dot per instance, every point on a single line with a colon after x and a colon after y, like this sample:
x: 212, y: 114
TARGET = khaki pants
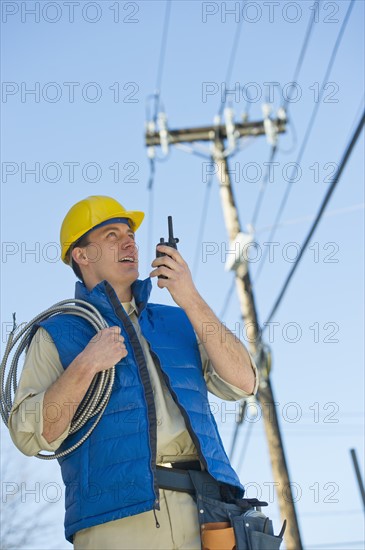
x: 179, y: 528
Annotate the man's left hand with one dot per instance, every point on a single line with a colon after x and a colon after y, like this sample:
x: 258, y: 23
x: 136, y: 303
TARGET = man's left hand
x: 179, y: 281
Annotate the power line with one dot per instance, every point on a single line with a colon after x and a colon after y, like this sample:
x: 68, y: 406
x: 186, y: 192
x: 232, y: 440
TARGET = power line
x: 227, y: 299
x: 203, y: 220
x: 356, y: 117
x: 157, y: 96
x: 245, y: 443
x: 208, y: 189
x: 306, y: 137
x: 263, y: 186
x: 358, y: 475
x: 231, y: 60
x: 328, y: 195
x: 294, y: 139
x: 243, y: 407
x: 285, y: 105
x: 303, y: 51
x: 330, y: 213
x: 150, y: 229
x: 162, y: 56
x: 204, y: 214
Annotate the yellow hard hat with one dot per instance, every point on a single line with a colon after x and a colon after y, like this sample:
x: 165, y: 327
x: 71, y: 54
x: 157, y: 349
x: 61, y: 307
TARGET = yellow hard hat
x: 89, y: 213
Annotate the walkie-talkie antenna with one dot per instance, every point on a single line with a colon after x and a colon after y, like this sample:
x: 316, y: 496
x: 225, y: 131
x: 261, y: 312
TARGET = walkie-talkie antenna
x: 171, y: 230
x: 172, y: 242
x: 172, y: 239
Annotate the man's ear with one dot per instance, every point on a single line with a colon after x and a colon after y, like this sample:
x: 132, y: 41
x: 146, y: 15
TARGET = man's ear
x: 79, y: 255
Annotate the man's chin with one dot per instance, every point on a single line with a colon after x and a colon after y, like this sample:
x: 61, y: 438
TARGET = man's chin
x: 131, y: 276
x: 129, y: 267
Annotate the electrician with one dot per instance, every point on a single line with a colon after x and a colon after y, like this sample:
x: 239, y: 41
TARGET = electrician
x: 158, y: 414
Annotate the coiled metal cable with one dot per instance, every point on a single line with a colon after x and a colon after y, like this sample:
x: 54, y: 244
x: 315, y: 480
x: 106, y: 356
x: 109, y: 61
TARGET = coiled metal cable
x: 96, y: 397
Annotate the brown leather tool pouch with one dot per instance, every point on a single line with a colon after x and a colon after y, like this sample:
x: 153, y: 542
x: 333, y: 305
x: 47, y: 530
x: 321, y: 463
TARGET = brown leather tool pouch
x: 217, y: 536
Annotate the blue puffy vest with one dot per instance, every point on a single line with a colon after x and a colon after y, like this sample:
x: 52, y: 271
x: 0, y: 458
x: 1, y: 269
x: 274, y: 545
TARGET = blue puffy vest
x: 112, y: 474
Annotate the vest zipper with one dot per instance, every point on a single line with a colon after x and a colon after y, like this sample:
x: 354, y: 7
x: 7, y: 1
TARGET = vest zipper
x: 156, y: 520
x: 146, y: 384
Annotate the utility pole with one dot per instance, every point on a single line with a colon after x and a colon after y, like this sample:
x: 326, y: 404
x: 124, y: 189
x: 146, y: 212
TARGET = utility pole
x: 218, y: 134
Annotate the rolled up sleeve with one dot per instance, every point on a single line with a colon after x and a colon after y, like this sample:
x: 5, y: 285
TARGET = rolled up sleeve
x: 219, y: 387
x: 42, y: 367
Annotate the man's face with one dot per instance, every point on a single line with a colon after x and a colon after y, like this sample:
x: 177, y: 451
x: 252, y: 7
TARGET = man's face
x: 112, y: 255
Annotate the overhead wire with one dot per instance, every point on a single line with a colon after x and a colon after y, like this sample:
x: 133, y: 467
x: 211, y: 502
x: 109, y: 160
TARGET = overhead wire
x: 302, y: 249
x: 324, y: 203
x: 243, y: 407
x: 263, y: 186
x: 246, y: 442
x: 306, y: 138
x: 303, y: 51
x: 336, y: 212
x: 157, y: 95
x: 220, y: 111
x: 203, y: 220
x: 161, y: 61
x: 157, y: 100
x: 293, y: 145
x: 151, y: 197
x: 275, y: 149
x: 227, y: 299
x: 231, y: 59
x: 314, y: 225
x: 285, y: 106
x: 357, y: 116
x: 230, y: 65
x: 204, y: 214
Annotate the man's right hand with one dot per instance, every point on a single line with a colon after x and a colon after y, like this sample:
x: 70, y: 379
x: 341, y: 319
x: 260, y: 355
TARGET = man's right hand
x: 105, y: 349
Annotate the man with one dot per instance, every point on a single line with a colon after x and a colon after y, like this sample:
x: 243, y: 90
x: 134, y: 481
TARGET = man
x: 158, y: 412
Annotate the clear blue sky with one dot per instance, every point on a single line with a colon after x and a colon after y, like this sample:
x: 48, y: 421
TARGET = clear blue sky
x: 98, y: 122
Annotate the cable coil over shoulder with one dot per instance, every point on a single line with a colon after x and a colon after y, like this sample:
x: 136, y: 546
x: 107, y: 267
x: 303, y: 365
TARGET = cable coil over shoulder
x: 96, y: 397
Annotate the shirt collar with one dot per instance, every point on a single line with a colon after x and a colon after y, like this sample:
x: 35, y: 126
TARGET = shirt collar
x: 130, y: 307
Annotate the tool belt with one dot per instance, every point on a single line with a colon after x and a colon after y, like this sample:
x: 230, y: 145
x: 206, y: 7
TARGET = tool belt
x: 227, y: 522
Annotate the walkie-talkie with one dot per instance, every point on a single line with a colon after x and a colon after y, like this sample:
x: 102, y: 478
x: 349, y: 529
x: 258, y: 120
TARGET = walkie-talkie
x: 171, y: 242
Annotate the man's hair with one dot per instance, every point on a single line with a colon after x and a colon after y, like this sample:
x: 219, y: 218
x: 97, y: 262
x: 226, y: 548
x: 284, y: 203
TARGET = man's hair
x: 83, y: 241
